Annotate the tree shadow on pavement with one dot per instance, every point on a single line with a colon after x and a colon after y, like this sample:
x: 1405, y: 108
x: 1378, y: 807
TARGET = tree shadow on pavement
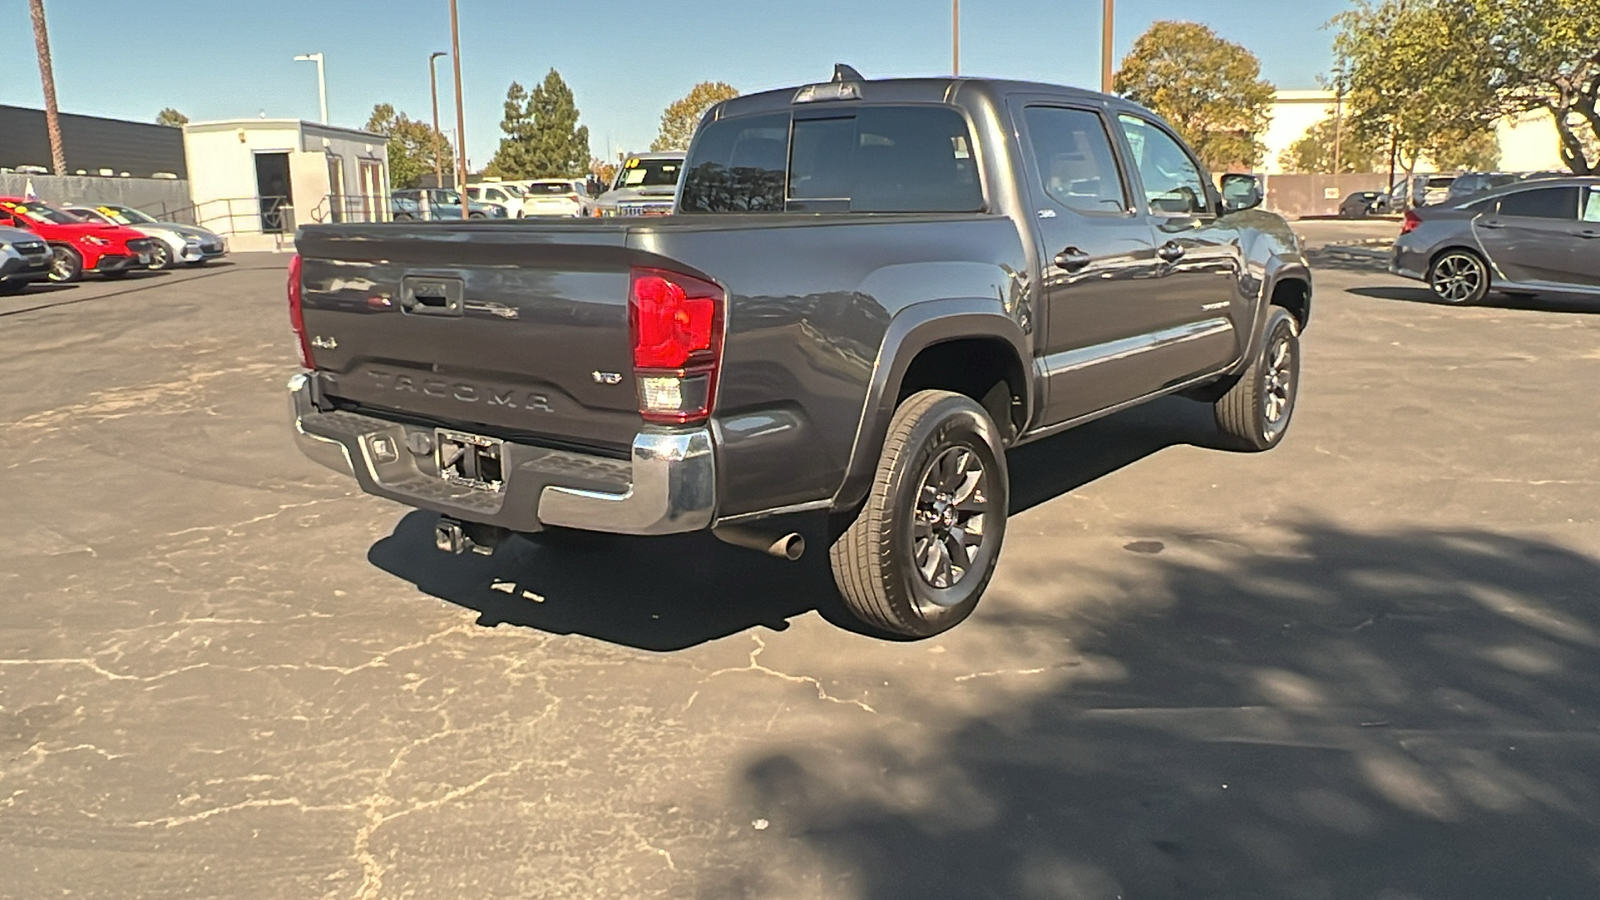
x: 1555, y: 303
x: 1390, y: 716
x: 669, y: 593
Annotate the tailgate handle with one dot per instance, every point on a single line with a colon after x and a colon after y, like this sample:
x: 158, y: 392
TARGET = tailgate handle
x: 424, y: 295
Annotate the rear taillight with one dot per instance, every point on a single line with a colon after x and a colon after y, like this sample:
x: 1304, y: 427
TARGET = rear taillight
x: 297, y: 316
x: 1412, y: 220
x: 676, y: 323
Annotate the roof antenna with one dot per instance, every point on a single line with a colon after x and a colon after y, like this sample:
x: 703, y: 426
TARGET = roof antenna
x: 842, y: 72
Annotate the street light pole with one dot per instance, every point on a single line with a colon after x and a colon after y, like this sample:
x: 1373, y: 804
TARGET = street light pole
x: 1108, y: 18
x: 322, y: 81
x: 461, y: 116
x: 433, y: 85
x: 955, y: 37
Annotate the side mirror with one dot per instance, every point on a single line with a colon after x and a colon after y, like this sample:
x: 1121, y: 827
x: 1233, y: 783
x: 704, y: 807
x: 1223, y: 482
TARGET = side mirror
x: 1240, y: 192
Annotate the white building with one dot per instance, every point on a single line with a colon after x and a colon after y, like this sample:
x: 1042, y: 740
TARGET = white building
x: 1529, y: 144
x: 259, y: 179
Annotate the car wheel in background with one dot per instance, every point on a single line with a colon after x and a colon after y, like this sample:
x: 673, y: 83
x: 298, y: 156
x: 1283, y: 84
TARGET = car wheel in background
x: 1459, y: 277
x: 403, y: 217
x: 476, y: 216
x: 1254, y: 414
x: 922, y: 549
x: 66, y: 265
x: 161, y: 256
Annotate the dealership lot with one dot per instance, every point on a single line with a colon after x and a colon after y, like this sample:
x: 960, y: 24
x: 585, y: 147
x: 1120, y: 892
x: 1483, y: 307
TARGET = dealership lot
x: 1362, y: 665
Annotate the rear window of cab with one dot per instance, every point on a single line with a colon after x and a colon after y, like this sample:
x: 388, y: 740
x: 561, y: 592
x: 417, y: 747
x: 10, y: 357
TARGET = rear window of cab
x: 879, y: 159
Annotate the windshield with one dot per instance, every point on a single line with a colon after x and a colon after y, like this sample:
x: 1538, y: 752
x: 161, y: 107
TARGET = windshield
x: 122, y: 215
x: 38, y: 212
x: 643, y: 173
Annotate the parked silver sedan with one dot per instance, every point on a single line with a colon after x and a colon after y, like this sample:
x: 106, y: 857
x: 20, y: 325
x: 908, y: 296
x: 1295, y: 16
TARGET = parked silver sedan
x: 175, y: 242
x: 1531, y: 238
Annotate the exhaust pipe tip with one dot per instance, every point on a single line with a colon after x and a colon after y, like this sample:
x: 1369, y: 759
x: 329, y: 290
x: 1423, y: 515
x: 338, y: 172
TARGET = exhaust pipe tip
x: 790, y: 546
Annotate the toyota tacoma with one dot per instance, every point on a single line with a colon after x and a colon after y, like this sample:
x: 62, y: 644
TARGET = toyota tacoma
x: 867, y: 293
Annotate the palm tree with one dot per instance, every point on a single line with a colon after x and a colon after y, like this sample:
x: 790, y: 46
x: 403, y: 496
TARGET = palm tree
x: 52, y: 114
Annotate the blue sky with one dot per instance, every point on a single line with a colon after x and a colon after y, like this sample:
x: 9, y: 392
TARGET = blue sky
x: 625, y: 61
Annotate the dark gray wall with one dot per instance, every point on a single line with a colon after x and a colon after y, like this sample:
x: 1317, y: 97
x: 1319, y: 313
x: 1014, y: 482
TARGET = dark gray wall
x: 91, y: 144
x: 156, y: 196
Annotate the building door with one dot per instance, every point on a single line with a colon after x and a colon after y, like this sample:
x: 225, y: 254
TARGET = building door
x: 372, y: 190
x: 275, y: 197
x: 337, y: 207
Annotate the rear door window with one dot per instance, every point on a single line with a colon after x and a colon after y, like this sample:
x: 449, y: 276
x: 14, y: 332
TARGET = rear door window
x: 1075, y: 160
x: 1591, y: 205
x: 1544, y: 203
x: 863, y: 159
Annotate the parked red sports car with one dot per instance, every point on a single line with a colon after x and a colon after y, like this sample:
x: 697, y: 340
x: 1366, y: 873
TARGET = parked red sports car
x: 78, y: 246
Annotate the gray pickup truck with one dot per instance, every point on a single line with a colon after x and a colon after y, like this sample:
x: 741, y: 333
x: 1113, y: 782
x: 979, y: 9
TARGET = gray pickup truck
x: 868, y: 292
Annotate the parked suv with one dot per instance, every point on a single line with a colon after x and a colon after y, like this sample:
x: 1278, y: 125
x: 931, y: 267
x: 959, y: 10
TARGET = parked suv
x: 869, y: 293
x: 24, y: 258
x: 79, y: 246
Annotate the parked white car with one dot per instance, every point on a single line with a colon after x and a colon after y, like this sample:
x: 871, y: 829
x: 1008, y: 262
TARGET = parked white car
x: 175, y: 242
x: 504, y: 195
x: 557, y: 197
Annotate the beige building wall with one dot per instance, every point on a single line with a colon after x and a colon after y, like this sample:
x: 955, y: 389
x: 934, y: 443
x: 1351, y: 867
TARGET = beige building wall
x: 1528, y: 144
x: 222, y: 170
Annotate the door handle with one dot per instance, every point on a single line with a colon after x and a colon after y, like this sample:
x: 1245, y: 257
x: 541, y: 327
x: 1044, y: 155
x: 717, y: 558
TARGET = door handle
x: 1072, y: 259
x: 1170, y: 252
x: 1588, y: 234
x: 1494, y: 224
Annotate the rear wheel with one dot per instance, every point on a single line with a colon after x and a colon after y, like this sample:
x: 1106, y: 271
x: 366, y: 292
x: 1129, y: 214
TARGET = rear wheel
x: 66, y: 265
x: 1254, y: 414
x: 921, y: 551
x: 476, y: 216
x: 1459, y: 277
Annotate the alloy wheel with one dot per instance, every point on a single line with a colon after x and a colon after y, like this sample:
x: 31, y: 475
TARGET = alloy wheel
x: 1278, y: 384
x: 1458, y: 277
x: 948, y: 524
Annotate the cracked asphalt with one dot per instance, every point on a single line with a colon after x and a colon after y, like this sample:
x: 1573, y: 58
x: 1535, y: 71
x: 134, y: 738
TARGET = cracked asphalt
x: 1361, y: 666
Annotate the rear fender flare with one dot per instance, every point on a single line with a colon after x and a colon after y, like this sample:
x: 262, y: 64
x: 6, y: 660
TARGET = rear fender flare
x: 912, y: 330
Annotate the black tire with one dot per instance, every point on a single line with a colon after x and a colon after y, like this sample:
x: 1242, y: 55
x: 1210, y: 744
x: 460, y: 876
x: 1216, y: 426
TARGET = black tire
x: 476, y: 216
x: 403, y: 217
x: 161, y: 257
x: 1459, y: 277
x: 1254, y: 414
x: 66, y: 265
x: 937, y: 441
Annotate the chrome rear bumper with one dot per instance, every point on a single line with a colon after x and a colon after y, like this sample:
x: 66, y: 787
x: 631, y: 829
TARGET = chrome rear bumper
x: 667, y: 487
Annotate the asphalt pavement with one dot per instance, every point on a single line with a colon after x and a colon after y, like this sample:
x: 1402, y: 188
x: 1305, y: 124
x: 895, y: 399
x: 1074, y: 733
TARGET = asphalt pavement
x: 1363, y: 665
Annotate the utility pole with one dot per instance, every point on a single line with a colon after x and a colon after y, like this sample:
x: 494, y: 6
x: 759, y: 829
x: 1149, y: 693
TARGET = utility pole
x: 461, y: 115
x: 955, y: 37
x: 322, y: 81
x: 433, y: 84
x: 52, y: 112
x: 1108, y: 16
x: 1338, y: 129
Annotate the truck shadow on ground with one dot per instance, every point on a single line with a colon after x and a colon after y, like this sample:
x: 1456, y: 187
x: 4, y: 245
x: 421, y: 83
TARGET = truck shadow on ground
x: 670, y: 593
x: 1555, y: 303
x: 1409, y: 715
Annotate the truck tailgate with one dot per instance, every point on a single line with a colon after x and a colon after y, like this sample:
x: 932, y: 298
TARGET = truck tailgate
x: 518, y: 330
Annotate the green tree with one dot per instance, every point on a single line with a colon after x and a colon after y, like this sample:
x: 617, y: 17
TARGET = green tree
x: 1314, y: 153
x: 680, y: 119
x: 411, y: 145
x: 1208, y: 88
x: 1544, y: 55
x: 1477, y: 152
x: 543, y: 138
x: 1417, y: 74
x: 171, y: 118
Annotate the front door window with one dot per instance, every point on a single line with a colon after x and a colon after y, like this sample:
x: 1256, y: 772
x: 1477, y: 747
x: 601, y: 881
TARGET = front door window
x: 1173, y: 185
